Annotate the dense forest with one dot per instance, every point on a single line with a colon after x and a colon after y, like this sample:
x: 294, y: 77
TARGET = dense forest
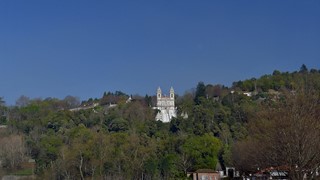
x: 254, y: 124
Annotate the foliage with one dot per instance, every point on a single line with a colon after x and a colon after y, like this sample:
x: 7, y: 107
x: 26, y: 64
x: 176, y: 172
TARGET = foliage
x: 24, y: 172
x: 203, y: 151
x: 112, y: 138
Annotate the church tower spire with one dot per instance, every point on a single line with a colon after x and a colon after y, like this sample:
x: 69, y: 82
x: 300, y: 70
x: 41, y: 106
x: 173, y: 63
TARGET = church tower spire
x: 171, y: 93
x: 159, y: 93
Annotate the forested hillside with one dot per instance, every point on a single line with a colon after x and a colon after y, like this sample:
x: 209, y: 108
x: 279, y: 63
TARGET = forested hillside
x: 257, y: 123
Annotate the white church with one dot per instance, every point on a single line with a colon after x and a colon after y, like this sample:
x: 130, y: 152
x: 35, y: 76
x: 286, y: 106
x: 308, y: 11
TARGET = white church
x: 166, y: 106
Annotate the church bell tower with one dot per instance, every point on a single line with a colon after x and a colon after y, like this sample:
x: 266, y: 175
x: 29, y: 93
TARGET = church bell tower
x: 159, y: 93
x: 171, y: 93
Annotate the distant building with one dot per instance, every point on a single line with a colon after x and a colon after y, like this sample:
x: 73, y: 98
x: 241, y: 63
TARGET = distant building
x: 3, y: 126
x: 166, y: 106
x: 204, y: 174
x: 249, y: 94
x: 280, y: 172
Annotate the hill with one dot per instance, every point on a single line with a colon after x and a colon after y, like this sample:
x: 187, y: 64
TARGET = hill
x: 231, y: 126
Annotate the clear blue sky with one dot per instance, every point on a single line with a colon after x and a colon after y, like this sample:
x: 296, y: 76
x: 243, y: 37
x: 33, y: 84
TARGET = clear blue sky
x: 82, y: 48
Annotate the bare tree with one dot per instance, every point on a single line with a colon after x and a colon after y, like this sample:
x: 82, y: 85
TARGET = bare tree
x: 12, y: 151
x: 23, y: 101
x: 285, y: 133
x: 72, y: 101
x: 2, y: 102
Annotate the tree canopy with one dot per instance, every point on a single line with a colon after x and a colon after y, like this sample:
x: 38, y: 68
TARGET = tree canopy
x: 257, y: 123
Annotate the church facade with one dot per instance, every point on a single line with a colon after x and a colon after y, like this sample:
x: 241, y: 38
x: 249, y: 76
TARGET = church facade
x: 166, y: 106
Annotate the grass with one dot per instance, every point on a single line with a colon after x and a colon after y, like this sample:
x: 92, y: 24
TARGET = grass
x: 23, y: 172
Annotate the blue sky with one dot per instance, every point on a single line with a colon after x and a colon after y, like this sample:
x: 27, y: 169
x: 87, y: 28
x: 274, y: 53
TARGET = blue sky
x: 83, y: 48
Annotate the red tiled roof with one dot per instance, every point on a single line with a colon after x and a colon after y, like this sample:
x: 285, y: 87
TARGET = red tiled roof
x: 206, y: 171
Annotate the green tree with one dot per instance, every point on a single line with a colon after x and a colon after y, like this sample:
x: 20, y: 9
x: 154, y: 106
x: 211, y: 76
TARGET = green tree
x: 303, y: 69
x: 47, y: 151
x: 203, y: 150
x: 118, y: 125
x: 200, y: 92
